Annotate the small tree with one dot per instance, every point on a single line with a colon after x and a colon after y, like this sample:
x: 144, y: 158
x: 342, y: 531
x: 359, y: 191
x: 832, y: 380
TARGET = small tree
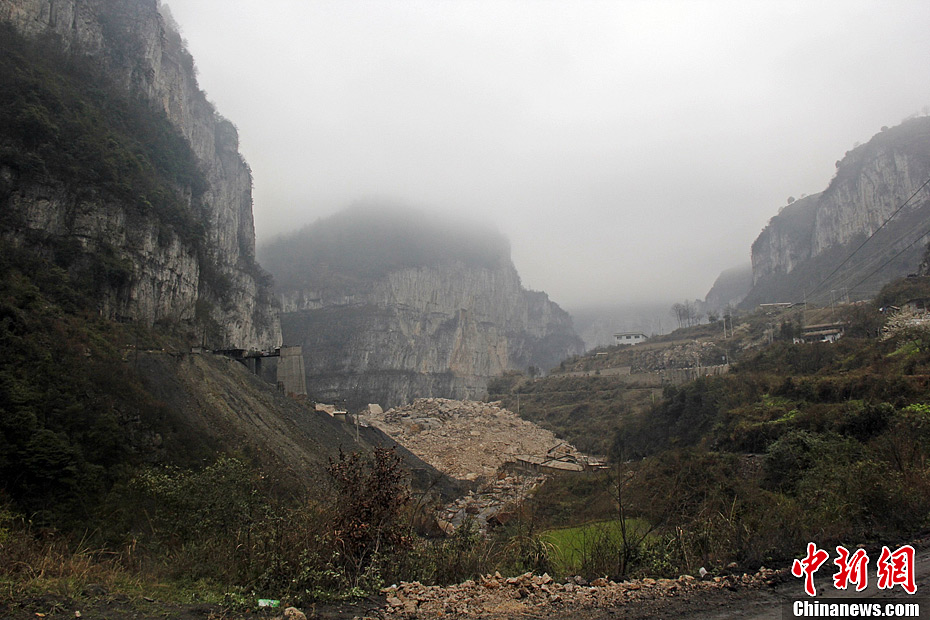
x: 907, y: 326
x: 371, y: 495
x: 684, y: 313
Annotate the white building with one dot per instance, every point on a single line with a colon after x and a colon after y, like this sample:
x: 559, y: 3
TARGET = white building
x: 629, y: 338
x: 826, y: 332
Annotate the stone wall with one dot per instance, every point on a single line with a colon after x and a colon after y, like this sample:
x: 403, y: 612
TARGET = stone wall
x: 291, y: 373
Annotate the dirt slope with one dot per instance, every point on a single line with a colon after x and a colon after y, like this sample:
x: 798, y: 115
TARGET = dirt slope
x: 215, y: 403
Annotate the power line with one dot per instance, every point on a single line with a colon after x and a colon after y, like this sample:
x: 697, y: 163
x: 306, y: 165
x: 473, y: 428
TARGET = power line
x: 903, y: 250
x: 843, y: 282
x: 854, y: 252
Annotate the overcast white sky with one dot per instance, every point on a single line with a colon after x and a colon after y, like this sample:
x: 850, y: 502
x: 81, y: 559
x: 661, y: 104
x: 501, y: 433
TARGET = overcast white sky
x: 631, y: 150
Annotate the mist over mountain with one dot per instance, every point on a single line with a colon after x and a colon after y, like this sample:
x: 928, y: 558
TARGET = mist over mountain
x: 390, y: 304
x: 367, y: 241
x: 729, y: 289
x: 597, y: 324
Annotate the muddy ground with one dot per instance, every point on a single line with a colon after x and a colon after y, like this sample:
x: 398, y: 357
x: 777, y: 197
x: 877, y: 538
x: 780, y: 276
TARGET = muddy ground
x: 106, y: 606
x: 717, y: 604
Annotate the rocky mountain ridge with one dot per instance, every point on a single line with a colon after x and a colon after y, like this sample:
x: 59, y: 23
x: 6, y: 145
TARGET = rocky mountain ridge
x: 427, y: 310
x: 729, y: 289
x: 811, y: 237
x: 199, y: 271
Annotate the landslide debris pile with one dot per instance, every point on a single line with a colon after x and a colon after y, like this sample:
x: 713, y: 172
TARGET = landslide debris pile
x: 494, y: 596
x: 464, y: 439
x: 498, y: 499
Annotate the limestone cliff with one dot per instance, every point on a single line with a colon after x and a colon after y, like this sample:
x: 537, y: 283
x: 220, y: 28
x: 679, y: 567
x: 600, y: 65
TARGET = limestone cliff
x: 190, y: 264
x: 390, y: 306
x: 809, y: 239
x: 786, y: 241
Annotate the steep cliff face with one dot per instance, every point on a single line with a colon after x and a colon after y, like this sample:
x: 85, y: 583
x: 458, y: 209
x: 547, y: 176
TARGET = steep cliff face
x: 196, y: 265
x: 808, y: 239
x: 418, y: 315
x: 786, y: 241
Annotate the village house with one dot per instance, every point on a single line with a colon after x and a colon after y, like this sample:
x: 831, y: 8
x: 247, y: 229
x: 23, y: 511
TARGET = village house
x: 824, y: 332
x: 629, y: 338
x: 917, y: 306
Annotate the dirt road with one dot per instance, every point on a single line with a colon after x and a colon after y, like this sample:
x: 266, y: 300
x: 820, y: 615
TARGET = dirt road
x: 766, y: 595
x: 768, y: 602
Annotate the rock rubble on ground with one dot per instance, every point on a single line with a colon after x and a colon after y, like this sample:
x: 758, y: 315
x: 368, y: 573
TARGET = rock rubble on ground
x: 471, y: 441
x: 498, y: 500
x: 684, y: 355
x: 495, y: 596
x: 467, y: 440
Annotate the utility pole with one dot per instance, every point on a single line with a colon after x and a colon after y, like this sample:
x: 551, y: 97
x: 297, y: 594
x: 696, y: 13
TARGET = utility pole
x: 357, y: 414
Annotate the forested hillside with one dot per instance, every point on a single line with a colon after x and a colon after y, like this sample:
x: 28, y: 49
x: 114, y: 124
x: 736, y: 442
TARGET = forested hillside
x: 797, y: 442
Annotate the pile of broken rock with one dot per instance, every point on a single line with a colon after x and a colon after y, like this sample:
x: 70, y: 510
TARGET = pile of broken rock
x: 464, y: 439
x: 496, y: 596
x: 498, y: 500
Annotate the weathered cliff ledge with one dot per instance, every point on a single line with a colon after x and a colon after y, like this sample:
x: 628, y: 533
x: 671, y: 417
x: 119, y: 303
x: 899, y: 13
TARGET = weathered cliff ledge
x: 166, y: 273
x: 421, y: 318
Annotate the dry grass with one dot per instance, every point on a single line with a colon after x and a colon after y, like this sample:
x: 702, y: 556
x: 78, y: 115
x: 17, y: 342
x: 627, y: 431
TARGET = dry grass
x: 32, y: 562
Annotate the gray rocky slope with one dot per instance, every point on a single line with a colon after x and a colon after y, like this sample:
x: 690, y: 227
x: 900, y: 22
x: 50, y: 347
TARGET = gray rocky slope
x: 140, y: 50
